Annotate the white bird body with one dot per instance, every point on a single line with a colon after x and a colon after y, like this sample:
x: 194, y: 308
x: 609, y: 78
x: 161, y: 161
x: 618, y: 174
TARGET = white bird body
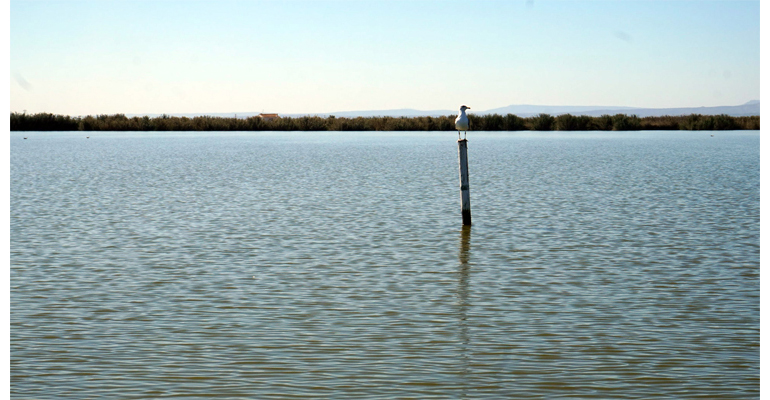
x: 461, y: 122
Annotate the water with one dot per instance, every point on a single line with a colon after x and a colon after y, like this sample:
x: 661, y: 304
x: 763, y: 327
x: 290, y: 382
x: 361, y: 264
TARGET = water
x: 334, y: 265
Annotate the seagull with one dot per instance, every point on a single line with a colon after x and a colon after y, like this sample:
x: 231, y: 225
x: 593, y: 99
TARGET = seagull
x: 461, y: 122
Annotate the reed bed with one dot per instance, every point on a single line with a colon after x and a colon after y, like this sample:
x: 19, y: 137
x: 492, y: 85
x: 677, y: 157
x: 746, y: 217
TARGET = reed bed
x: 489, y: 122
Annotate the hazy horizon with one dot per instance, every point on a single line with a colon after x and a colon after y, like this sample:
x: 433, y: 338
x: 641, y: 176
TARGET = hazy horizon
x: 152, y: 57
x: 521, y: 108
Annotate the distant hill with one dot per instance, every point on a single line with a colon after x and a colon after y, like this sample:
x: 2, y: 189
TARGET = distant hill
x: 403, y: 112
x: 527, y: 110
x: 523, y: 110
x: 750, y: 108
x: 191, y: 115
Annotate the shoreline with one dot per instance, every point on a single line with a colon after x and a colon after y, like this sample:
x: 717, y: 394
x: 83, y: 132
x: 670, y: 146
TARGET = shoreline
x: 490, y: 122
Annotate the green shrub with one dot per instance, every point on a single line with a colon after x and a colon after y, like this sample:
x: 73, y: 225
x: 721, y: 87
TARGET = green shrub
x: 602, y: 123
x: 542, y: 122
x: 623, y: 122
x: 568, y: 122
x: 493, y: 122
x: 513, y: 122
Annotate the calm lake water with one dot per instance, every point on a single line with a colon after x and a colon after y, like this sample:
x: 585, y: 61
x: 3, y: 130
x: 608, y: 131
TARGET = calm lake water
x: 334, y: 265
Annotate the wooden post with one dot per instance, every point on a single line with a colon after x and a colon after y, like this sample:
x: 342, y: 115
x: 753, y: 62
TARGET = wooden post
x: 462, y: 151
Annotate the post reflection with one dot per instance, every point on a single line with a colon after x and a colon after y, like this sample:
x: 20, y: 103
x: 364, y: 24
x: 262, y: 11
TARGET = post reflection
x: 462, y: 302
x: 464, y: 268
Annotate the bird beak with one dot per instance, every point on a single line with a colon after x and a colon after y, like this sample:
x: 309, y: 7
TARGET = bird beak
x: 468, y: 108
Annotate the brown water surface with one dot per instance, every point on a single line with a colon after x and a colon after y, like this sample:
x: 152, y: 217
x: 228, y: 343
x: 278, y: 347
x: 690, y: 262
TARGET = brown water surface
x: 334, y: 265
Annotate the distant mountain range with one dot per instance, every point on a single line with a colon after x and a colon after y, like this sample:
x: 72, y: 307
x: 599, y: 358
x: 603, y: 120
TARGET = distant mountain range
x: 524, y: 110
x: 527, y: 110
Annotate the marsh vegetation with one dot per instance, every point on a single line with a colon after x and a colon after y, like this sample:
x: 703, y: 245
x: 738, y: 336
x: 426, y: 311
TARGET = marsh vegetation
x: 489, y: 122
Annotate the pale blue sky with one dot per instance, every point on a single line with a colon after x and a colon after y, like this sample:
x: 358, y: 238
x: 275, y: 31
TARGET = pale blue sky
x: 93, y: 57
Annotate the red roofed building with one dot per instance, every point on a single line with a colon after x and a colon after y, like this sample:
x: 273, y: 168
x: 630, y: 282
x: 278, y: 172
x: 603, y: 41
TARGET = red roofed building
x: 268, y: 117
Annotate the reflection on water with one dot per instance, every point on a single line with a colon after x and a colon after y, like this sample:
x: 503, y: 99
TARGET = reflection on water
x: 279, y: 265
x: 463, y: 283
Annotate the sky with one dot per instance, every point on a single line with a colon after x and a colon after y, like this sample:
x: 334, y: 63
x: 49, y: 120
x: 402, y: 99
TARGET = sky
x: 175, y: 56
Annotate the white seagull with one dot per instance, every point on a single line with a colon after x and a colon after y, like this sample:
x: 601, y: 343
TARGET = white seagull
x: 461, y: 122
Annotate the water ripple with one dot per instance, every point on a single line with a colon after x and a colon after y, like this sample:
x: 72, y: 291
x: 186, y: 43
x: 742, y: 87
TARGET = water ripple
x: 328, y: 265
